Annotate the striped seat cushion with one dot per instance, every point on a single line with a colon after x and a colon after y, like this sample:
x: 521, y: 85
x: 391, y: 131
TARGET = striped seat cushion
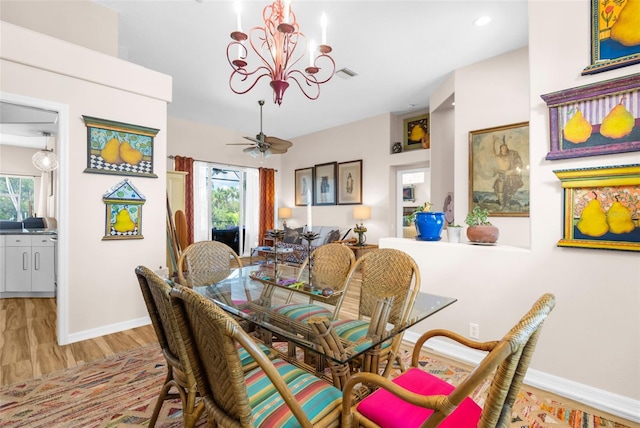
x: 389, y: 411
x: 301, y: 312
x: 353, y: 331
x: 246, y: 358
x: 316, y: 397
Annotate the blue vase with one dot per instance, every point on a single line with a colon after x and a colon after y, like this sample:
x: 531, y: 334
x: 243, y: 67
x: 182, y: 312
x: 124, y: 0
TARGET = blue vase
x: 429, y: 225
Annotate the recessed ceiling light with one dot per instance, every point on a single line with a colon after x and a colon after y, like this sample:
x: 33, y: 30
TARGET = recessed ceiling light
x: 482, y: 20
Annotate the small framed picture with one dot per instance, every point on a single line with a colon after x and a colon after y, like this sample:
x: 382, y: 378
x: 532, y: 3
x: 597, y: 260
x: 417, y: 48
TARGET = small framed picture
x: 408, y: 193
x: 416, y: 133
x: 324, y: 187
x: 499, y: 170
x: 304, y: 186
x: 350, y: 183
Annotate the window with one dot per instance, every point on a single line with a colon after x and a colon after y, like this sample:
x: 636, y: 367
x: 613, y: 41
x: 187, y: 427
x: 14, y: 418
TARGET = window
x: 16, y: 197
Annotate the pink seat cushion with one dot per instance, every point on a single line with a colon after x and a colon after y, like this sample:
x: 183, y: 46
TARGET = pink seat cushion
x: 387, y: 410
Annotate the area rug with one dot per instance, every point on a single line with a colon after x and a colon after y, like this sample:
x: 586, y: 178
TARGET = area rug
x: 120, y: 391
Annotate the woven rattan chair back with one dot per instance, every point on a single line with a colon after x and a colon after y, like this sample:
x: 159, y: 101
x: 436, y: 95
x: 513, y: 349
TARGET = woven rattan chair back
x: 180, y: 375
x: 211, y: 337
x: 388, y: 273
x: 330, y: 266
x: 507, y: 361
x: 519, y: 343
x: 205, y: 263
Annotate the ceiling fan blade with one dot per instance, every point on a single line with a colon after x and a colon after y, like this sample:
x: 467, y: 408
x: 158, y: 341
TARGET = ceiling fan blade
x: 249, y: 149
x: 279, y: 143
x: 277, y: 151
x: 255, y: 140
x: 240, y: 144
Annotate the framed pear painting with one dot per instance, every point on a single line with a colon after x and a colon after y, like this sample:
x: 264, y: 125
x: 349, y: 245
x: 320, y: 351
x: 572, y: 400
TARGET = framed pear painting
x: 123, y: 217
x: 615, y: 35
x: 119, y: 148
x: 601, y: 207
x: 596, y: 119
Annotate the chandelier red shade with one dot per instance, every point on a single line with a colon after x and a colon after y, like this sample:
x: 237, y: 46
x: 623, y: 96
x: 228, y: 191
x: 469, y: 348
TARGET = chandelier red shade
x: 280, y: 48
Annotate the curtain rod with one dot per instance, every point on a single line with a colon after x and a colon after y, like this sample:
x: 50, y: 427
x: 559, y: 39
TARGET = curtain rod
x: 219, y: 163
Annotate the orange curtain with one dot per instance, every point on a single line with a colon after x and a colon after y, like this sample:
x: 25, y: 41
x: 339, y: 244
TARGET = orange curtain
x: 267, y: 200
x: 186, y: 164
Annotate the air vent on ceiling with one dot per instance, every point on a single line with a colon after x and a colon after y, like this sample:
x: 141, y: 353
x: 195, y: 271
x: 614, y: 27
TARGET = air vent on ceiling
x: 345, y: 73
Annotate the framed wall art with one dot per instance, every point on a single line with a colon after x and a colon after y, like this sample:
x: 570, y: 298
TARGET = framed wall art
x: 499, y: 170
x: 350, y: 182
x: 595, y: 119
x: 123, y: 212
x: 324, y: 184
x: 601, y: 207
x: 119, y: 148
x: 416, y: 133
x: 408, y: 193
x: 304, y: 186
x: 615, y: 38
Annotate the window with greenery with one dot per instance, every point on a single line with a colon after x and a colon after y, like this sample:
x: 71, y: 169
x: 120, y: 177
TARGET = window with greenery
x: 225, y: 198
x: 16, y: 197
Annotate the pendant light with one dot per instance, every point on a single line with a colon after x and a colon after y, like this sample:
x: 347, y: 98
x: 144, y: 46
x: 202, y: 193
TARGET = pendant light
x: 45, y: 160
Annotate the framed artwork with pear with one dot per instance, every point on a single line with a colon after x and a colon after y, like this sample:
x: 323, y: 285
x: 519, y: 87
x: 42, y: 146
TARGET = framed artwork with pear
x: 601, y: 207
x: 596, y: 119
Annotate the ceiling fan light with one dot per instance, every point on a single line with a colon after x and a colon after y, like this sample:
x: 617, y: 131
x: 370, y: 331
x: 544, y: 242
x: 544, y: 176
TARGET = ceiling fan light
x: 255, y: 152
x: 45, y: 160
x: 266, y: 153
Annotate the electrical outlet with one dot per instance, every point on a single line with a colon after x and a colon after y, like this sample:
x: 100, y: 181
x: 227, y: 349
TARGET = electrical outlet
x: 474, y: 330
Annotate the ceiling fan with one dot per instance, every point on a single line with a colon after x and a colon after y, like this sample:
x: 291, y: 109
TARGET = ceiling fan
x: 262, y: 144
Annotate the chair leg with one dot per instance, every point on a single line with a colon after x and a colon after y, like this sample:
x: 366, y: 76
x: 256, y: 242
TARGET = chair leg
x: 168, y: 382
x: 190, y: 410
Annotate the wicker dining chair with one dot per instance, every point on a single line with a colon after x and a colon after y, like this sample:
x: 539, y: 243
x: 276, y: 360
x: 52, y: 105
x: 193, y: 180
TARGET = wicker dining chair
x: 155, y: 292
x: 419, y: 399
x: 277, y: 394
x: 179, y: 374
x: 205, y: 263
x: 387, y: 274
x: 330, y: 266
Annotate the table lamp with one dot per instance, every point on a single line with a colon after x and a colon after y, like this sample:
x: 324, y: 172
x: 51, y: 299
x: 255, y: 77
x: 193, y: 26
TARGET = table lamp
x: 361, y: 213
x: 284, y: 213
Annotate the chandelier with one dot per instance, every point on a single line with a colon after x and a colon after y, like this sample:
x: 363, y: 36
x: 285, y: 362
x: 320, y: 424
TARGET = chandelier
x: 280, y: 47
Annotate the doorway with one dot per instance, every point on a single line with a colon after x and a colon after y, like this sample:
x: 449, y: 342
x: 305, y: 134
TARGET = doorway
x: 413, y: 185
x: 59, y: 129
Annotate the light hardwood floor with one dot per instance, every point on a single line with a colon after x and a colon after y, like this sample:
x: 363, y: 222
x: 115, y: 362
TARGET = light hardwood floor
x: 28, y: 346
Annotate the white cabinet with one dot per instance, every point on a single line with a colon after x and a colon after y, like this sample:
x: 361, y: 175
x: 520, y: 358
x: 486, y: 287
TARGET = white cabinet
x: 29, y: 264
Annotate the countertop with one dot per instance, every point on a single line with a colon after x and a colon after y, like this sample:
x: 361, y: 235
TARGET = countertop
x: 28, y: 232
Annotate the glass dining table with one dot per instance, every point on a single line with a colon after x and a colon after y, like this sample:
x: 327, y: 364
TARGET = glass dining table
x: 252, y: 293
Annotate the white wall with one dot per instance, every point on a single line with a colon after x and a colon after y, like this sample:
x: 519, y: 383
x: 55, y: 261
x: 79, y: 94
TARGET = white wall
x: 81, y: 22
x: 96, y: 278
x: 369, y: 140
x: 592, y: 338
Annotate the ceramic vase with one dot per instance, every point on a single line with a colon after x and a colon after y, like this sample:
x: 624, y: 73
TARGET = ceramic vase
x: 429, y: 225
x: 453, y: 234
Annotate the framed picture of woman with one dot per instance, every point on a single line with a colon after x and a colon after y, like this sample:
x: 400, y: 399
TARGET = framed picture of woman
x: 324, y: 187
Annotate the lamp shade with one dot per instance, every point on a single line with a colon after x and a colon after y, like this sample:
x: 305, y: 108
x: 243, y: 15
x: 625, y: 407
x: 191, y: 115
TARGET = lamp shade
x: 362, y: 212
x: 45, y: 160
x: 284, y: 212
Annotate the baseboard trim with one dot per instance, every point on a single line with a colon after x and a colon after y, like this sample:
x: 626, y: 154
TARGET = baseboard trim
x: 614, y: 404
x: 108, y: 329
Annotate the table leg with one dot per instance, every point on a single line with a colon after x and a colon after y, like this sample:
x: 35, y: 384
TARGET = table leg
x: 330, y: 342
